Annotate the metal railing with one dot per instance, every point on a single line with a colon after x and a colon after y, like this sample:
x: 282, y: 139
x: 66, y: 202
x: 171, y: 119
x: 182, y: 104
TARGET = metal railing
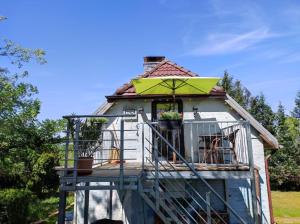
x: 104, y: 145
x: 158, y: 152
x: 216, y: 142
x: 187, y: 206
x: 186, y: 211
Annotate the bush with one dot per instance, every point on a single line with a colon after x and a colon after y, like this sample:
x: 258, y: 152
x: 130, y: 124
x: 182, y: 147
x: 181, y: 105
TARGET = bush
x: 14, y: 205
x: 170, y: 115
x: 44, y: 179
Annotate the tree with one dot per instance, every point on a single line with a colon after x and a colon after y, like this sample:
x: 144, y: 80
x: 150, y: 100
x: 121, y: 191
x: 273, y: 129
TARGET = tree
x: 29, y: 148
x: 227, y: 82
x: 296, y: 111
x: 285, y: 162
x: 262, y: 112
x: 236, y: 90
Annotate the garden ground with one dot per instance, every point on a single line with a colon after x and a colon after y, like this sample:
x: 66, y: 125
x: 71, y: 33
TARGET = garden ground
x: 286, y: 207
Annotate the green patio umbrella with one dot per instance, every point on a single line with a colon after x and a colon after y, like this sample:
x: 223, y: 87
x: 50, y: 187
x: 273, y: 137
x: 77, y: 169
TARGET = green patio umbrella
x: 174, y: 85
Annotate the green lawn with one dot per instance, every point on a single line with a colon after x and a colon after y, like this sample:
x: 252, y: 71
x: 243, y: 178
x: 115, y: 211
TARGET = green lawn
x: 286, y: 207
x: 45, y: 211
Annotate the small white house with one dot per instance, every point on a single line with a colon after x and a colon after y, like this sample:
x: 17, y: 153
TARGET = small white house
x: 210, y: 170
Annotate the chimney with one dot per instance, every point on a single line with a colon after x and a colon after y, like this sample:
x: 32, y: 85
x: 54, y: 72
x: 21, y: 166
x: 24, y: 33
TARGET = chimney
x: 151, y: 61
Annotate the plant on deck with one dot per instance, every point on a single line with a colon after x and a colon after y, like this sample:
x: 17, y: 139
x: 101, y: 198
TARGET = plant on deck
x: 170, y: 115
x: 89, y: 136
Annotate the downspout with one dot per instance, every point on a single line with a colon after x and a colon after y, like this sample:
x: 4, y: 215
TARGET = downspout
x: 269, y: 189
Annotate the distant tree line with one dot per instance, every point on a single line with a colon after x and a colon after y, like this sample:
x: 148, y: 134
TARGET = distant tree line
x: 284, y: 163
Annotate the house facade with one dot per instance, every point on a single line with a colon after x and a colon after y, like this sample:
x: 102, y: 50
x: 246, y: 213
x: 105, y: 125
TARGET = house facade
x: 210, y: 170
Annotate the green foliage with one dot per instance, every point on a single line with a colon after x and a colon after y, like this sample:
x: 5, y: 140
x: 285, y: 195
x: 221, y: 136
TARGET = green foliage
x: 90, y: 132
x: 14, y: 205
x: 170, y: 115
x: 236, y: 90
x: 37, y: 144
x: 262, y: 112
x: 45, y: 209
x: 285, y: 162
x: 296, y: 111
x: 43, y: 179
x: 20, y: 55
x: 28, y: 147
x: 227, y: 83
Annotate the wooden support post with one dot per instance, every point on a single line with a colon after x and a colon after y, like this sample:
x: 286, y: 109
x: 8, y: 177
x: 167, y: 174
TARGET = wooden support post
x: 252, y: 178
x: 62, y: 206
x: 208, y: 209
x: 86, y: 204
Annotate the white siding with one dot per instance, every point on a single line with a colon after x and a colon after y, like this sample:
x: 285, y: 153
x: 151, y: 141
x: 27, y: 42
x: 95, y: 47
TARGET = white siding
x: 238, y: 191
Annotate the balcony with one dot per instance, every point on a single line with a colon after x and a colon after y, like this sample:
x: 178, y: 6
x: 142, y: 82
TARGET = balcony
x: 142, y: 157
x: 212, y: 148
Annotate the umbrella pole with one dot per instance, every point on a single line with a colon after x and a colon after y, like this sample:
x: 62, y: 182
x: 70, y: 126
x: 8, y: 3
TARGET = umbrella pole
x: 173, y: 89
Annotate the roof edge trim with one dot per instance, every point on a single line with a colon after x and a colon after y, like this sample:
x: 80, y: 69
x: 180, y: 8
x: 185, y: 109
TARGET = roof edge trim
x: 264, y: 133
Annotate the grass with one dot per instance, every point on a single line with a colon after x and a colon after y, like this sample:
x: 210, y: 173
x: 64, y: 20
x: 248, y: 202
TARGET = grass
x: 286, y: 207
x: 46, y: 209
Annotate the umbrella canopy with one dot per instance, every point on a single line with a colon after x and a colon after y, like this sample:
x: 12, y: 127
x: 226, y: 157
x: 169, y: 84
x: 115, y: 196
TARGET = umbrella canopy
x: 174, y: 85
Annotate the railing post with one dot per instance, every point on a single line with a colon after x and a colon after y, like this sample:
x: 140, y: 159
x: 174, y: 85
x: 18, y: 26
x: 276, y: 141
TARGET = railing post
x: 208, y: 209
x: 67, y: 148
x: 122, y: 154
x: 76, y: 146
x: 252, y: 176
x: 86, y: 204
x: 62, y: 206
x: 156, y: 173
x: 143, y: 148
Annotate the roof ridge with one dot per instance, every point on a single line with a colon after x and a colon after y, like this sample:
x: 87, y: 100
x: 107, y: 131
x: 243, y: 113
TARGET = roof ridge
x: 188, y: 72
x: 125, y: 87
x: 146, y: 74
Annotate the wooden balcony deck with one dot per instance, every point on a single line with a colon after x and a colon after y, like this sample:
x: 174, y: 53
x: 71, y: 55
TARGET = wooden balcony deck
x: 111, y: 171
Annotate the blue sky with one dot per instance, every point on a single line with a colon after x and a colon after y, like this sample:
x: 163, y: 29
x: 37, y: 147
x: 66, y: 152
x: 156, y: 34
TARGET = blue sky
x: 93, y: 47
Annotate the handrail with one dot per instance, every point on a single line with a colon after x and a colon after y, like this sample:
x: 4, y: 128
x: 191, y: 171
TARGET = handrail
x: 191, y: 187
x: 181, y: 188
x: 102, y: 115
x: 203, y: 122
x: 196, y: 173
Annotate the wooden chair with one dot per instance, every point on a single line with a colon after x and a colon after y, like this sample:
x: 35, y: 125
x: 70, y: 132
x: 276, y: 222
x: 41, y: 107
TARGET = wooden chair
x: 213, y: 154
x: 232, y: 139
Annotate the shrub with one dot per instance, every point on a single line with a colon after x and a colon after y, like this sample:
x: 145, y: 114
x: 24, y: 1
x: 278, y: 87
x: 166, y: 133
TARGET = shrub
x: 14, y: 205
x: 170, y: 115
x: 44, y: 179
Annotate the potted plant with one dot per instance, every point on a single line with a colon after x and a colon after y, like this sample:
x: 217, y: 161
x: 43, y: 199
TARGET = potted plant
x: 89, y: 141
x: 170, y: 120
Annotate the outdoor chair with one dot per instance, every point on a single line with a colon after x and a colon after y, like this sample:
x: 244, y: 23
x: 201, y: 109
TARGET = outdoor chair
x: 217, y: 153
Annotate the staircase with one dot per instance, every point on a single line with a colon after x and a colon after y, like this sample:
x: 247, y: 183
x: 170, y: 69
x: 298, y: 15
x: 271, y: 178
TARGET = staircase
x: 173, y: 198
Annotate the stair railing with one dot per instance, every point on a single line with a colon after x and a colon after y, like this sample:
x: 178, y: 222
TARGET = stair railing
x: 175, y: 181
x: 191, y: 168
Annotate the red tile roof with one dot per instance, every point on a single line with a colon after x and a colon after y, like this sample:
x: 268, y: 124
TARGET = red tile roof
x: 164, y: 68
x: 167, y: 68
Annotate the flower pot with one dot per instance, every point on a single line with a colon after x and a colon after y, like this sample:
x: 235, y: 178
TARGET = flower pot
x: 169, y: 124
x: 85, y: 165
